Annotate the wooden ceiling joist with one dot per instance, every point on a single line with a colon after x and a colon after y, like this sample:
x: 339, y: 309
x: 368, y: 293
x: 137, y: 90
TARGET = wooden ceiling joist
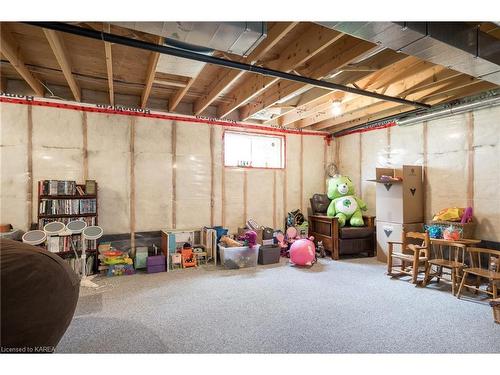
x: 309, y: 44
x: 11, y: 51
x: 363, y: 107
x: 57, y: 44
x: 308, y: 109
x: 410, y: 77
x: 177, y: 97
x: 150, y: 74
x: 109, y: 65
x: 346, y: 50
x: 276, y: 33
x: 385, y: 109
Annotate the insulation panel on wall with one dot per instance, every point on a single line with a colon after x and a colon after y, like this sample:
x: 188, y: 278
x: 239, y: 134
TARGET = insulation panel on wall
x: 14, y: 166
x: 109, y: 164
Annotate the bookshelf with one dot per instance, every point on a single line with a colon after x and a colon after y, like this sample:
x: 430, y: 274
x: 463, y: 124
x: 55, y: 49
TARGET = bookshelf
x: 66, y: 201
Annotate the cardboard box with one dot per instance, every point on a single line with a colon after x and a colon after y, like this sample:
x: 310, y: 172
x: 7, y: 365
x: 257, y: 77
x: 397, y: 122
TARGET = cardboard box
x: 400, y: 201
x: 387, y: 231
x: 242, y: 231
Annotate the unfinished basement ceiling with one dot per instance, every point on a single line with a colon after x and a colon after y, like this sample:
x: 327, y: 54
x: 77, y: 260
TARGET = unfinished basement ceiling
x: 118, y: 74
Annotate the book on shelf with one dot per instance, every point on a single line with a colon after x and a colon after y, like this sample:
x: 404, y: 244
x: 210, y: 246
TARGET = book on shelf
x: 76, y: 264
x: 67, y: 206
x: 61, y: 244
x: 90, y: 220
x: 57, y: 187
x: 80, y: 190
x: 90, y: 187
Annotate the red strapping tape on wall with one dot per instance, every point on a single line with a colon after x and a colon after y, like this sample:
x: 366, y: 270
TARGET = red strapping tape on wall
x: 77, y: 107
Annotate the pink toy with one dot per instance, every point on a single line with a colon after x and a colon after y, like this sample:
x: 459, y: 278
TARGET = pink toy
x: 467, y: 216
x: 281, y: 240
x: 303, y: 252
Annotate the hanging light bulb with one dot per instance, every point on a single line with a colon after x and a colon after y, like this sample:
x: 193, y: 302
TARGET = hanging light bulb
x: 336, y: 108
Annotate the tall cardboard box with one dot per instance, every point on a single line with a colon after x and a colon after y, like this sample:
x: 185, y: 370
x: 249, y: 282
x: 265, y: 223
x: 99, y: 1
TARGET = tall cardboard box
x: 400, y: 201
x: 387, y: 231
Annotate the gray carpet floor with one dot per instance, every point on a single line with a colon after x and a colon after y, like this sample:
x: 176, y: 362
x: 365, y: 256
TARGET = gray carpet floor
x: 347, y: 306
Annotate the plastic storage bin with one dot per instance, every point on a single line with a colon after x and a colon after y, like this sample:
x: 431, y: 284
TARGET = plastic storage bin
x: 269, y: 254
x: 155, y: 264
x: 239, y: 257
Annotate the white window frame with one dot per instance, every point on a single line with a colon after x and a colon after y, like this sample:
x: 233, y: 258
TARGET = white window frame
x: 254, y: 135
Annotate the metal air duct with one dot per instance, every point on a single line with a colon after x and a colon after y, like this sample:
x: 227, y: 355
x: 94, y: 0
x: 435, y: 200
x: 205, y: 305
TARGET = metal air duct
x: 456, y: 45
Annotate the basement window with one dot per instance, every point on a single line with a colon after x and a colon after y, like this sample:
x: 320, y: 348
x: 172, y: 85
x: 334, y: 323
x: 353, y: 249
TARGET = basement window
x: 254, y: 150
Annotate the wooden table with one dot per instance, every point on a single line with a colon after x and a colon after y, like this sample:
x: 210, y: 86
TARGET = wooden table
x: 464, y: 241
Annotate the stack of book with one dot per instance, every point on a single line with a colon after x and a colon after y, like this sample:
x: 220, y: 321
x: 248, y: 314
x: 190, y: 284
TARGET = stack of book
x: 87, y: 206
x: 90, y: 220
x: 67, y: 206
x: 61, y: 244
x: 76, y: 264
x: 57, y: 187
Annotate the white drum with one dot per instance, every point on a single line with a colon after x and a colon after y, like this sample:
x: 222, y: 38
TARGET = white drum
x: 34, y: 237
x: 92, y: 233
x: 54, y: 228
x: 76, y: 226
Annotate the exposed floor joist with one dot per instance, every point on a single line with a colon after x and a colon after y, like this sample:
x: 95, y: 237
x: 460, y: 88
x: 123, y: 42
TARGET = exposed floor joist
x: 276, y: 33
x: 392, y: 109
x: 12, y: 52
x: 309, y: 44
x: 150, y: 74
x: 407, y: 80
x: 57, y: 44
x: 109, y: 65
x: 346, y: 50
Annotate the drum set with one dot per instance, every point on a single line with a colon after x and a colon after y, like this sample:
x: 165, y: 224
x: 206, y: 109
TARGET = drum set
x: 56, y: 228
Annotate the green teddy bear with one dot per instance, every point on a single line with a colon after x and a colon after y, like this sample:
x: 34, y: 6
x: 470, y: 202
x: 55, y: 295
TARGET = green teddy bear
x: 345, y: 205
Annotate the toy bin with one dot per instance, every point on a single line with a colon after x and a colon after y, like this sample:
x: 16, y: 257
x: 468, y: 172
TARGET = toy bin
x: 156, y: 263
x: 239, y: 257
x: 269, y: 254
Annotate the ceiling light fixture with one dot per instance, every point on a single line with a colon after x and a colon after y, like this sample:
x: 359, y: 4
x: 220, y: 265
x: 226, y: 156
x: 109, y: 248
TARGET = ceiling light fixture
x: 336, y: 108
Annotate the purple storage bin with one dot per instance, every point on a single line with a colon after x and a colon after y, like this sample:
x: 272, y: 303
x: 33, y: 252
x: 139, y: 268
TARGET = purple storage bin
x: 155, y: 264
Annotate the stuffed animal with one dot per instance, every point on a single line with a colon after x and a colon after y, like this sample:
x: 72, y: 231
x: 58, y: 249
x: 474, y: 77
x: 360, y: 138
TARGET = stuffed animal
x: 249, y: 238
x: 229, y: 242
x: 345, y: 205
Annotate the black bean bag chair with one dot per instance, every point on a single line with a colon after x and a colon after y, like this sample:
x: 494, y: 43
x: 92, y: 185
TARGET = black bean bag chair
x: 39, y: 292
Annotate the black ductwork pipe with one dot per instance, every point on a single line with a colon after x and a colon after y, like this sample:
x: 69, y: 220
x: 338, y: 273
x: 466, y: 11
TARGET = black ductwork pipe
x: 117, y: 39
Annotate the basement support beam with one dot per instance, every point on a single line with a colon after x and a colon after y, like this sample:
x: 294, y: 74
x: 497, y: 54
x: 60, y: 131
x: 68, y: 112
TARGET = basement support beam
x: 11, y: 51
x: 57, y: 44
x: 150, y: 74
x: 109, y: 65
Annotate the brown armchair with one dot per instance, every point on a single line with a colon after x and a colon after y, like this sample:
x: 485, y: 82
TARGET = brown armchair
x: 339, y: 241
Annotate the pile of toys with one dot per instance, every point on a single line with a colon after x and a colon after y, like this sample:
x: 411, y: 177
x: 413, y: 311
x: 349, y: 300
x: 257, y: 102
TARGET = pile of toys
x: 451, y: 224
x: 118, y: 262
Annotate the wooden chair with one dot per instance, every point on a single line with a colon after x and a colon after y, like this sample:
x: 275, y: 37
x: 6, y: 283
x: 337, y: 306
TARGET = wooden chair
x: 479, y: 266
x: 339, y: 240
x: 188, y: 258
x: 410, y: 253
x: 454, y: 261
